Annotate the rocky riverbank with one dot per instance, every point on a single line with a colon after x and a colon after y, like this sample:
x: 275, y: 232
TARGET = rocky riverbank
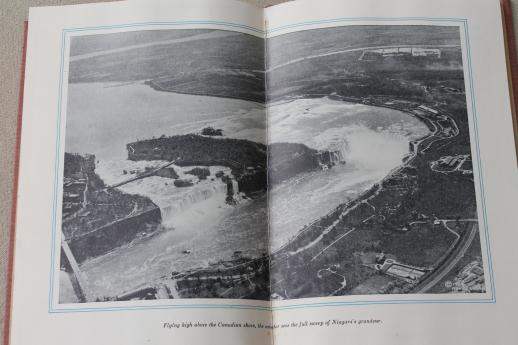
x: 247, y: 159
x: 97, y: 219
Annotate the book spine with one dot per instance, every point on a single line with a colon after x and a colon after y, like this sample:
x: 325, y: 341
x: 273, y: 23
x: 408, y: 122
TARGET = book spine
x: 512, y: 61
x: 9, y: 282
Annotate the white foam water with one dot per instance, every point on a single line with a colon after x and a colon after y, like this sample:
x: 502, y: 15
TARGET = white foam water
x: 103, y: 117
x: 376, y: 139
x: 176, y: 203
x: 196, y: 219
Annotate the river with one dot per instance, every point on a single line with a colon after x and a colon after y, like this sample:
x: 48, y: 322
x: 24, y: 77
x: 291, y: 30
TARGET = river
x: 103, y: 118
x: 376, y: 139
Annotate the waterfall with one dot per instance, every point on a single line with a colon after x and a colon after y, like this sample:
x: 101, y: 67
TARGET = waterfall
x: 341, y: 148
x: 204, y: 198
x: 235, y: 187
x: 179, y: 206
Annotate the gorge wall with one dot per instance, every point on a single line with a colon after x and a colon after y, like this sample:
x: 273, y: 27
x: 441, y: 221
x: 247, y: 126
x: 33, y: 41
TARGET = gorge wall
x: 97, y: 219
x: 247, y: 159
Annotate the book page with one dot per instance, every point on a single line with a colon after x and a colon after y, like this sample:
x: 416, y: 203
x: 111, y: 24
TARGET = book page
x: 392, y: 173
x: 142, y: 214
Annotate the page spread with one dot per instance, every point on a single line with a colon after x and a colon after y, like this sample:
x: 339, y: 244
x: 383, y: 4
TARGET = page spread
x: 211, y: 172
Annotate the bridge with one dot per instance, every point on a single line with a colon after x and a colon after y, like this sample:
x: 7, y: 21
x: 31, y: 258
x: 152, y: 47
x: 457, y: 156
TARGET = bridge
x: 143, y: 175
x: 76, y: 278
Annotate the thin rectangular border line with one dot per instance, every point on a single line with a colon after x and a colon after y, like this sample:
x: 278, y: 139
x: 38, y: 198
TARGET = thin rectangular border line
x: 65, y: 32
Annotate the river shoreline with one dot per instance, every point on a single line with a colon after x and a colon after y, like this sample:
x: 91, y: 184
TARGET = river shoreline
x: 351, y: 203
x: 373, y: 218
x: 300, y: 232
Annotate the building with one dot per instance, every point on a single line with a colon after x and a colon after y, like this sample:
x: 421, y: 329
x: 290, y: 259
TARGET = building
x: 396, y: 269
x: 379, y: 54
x: 426, y: 52
x: 428, y: 110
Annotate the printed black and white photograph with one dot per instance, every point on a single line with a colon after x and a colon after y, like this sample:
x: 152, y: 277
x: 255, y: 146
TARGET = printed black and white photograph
x: 370, y: 171
x: 216, y: 164
x: 164, y: 190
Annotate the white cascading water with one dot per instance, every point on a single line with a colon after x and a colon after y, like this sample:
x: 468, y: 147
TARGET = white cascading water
x: 235, y: 187
x: 178, y: 205
x: 174, y: 209
x: 338, y: 148
x: 371, y: 141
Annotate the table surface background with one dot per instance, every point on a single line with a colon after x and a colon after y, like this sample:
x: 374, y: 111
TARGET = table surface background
x: 12, y: 15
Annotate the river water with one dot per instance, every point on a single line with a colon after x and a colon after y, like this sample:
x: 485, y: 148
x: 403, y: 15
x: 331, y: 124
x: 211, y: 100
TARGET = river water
x: 103, y: 118
x: 376, y: 140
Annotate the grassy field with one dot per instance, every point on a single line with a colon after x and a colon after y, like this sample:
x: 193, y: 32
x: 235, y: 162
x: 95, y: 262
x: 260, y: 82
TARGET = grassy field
x: 200, y: 62
x: 380, y: 220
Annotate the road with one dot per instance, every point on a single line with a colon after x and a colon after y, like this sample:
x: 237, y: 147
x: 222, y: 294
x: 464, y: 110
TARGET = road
x: 332, y: 243
x: 361, y: 198
x: 76, y: 277
x: 449, y: 262
x: 357, y: 49
x: 461, y: 245
x: 428, y: 140
x: 330, y: 270
x: 169, y: 42
x: 141, y: 176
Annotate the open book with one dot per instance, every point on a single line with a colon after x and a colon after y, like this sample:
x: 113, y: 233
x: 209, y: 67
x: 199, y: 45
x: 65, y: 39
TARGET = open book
x: 208, y: 172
